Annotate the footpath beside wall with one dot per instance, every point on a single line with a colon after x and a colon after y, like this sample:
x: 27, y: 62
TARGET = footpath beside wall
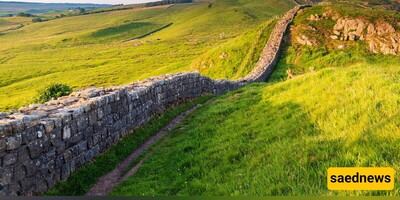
x: 44, y: 143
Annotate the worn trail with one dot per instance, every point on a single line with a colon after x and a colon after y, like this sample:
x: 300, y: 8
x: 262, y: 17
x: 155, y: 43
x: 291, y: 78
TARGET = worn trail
x: 107, y: 182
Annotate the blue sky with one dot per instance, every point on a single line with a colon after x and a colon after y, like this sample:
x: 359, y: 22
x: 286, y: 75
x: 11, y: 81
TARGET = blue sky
x: 87, y: 1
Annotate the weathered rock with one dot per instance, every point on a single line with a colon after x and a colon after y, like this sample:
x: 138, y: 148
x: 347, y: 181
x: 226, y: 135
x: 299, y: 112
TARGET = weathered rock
x: 371, y: 30
x: 23, y: 154
x: 360, y: 28
x: 6, y: 175
x: 336, y: 32
x: 304, y: 40
x: 49, y: 126
x: 381, y: 37
x: 66, y: 132
x: 223, y: 56
x: 10, y: 158
x: 13, y: 142
x: 373, y: 46
x: 31, y: 167
x: 2, y: 147
x: 317, y: 17
x: 334, y: 37
x: 352, y: 36
x: 28, y: 184
x: 339, y: 25
x: 19, y: 173
x: 3, y: 115
x: 35, y: 149
x: 345, y: 37
x: 384, y: 28
x: 311, y: 18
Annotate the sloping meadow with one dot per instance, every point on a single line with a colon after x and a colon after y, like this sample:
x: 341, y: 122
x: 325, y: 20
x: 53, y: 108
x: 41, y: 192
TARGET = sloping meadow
x: 120, y: 47
x: 280, y: 139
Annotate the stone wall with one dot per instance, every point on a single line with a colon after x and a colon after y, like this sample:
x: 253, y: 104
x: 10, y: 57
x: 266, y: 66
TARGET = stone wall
x: 44, y: 143
x: 270, y: 54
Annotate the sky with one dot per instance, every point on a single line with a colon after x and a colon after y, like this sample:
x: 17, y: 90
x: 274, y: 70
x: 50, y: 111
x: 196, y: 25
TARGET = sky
x: 86, y: 1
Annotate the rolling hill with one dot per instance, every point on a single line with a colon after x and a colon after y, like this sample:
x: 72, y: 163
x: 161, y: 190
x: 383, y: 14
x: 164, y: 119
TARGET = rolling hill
x: 8, y: 7
x: 109, y: 48
x: 280, y: 137
x: 341, y: 107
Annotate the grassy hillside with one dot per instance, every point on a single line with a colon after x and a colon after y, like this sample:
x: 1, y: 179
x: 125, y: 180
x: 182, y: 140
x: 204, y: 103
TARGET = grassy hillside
x: 237, y: 57
x: 376, y: 4
x: 279, y: 138
x: 7, y: 23
x: 101, y: 49
x: 325, y: 53
x: 40, y: 8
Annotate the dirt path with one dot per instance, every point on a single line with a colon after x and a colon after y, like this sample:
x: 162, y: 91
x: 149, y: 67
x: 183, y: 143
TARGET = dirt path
x: 107, y: 182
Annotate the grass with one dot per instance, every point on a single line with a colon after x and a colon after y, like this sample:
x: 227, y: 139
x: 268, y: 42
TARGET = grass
x: 125, y: 32
x: 326, y: 53
x: 375, y: 4
x: 85, y: 177
x: 65, y: 50
x: 113, y: 8
x: 236, y: 58
x: 275, y: 138
x: 10, y: 22
x: 280, y: 139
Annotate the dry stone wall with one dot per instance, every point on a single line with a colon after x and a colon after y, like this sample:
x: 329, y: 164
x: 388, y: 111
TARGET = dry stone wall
x: 270, y: 54
x: 44, y: 143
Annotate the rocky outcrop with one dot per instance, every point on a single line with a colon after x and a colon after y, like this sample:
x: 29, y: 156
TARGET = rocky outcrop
x: 381, y: 36
x: 316, y: 17
x: 349, y: 29
x: 305, y: 40
x: 44, y: 143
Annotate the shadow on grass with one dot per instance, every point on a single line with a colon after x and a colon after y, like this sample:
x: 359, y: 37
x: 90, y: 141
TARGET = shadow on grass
x: 244, y: 144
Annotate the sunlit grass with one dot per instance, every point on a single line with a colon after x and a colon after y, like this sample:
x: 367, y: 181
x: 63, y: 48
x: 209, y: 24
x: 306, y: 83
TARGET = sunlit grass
x: 91, y: 50
x: 280, y: 139
x: 326, y: 53
x: 237, y: 57
x: 85, y: 177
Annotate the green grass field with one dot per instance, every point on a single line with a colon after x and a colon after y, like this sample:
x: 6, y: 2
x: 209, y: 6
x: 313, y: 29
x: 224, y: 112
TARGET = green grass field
x: 274, y: 138
x: 93, y: 50
x: 9, y: 22
x: 280, y: 137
